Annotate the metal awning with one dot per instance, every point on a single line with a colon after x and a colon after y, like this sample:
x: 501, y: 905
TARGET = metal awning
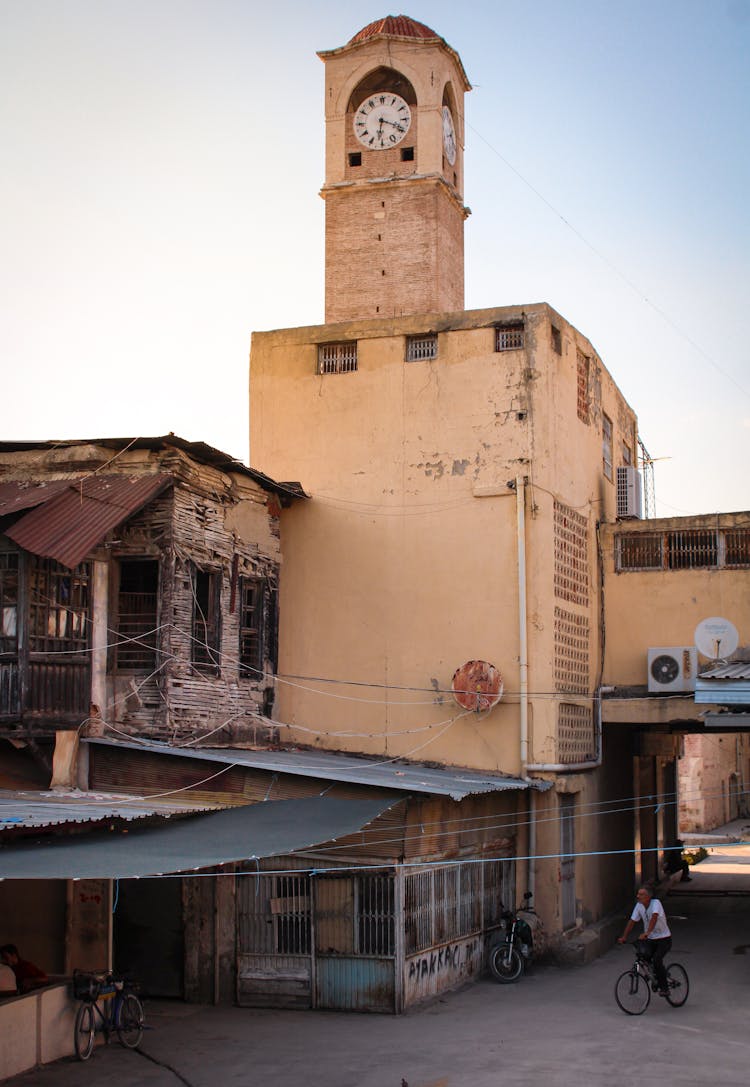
x: 725, y: 685
x: 41, y: 808
x: 392, y: 774
x: 269, y: 829
x: 66, y: 524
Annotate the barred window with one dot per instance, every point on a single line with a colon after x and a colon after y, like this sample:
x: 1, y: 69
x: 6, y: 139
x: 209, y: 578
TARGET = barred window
x: 421, y: 347
x: 337, y: 358
x: 444, y: 904
x: 640, y: 552
x: 59, y: 609
x: 8, y: 601
x: 607, y: 446
x: 374, y: 911
x: 583, y: 364
x: 136, y: 615
x: 509, y: 337
x: 290, y: 912
x: 737, y: 547
x: 257, y: 626
x: 206, y: 586
x: 690, y: 549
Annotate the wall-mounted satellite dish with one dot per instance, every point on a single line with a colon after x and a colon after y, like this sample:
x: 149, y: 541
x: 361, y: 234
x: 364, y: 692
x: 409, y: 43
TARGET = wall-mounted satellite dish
x: 477, y: 685
x: 716, y: 638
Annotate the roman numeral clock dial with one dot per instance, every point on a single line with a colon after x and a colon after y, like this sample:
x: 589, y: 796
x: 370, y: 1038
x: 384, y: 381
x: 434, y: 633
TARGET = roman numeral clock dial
x: 382, y: 121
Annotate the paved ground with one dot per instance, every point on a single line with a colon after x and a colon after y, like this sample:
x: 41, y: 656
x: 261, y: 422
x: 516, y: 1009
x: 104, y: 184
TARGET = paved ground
x: 559, y: 1026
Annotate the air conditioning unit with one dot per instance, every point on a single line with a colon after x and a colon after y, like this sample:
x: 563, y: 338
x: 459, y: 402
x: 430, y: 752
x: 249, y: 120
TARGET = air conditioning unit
x: 672, y: 668
x: 629, y: 494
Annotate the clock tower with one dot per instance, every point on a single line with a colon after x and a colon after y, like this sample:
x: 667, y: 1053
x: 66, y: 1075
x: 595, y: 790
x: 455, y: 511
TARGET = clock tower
x: 394, y: 107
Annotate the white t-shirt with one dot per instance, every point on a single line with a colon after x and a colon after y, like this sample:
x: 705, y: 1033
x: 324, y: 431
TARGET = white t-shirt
x: 645, y: 913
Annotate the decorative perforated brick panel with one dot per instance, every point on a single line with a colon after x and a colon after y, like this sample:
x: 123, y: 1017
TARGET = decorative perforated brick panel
x: 582, y: 362
x: 571, y: 555
x: 575, y: 733
x: 571, y: 652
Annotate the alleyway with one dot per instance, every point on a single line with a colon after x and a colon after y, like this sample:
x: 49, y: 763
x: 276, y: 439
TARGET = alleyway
x: 557, y: 1027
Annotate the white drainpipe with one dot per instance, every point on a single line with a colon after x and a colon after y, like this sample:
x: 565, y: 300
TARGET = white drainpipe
x: 523, y: 667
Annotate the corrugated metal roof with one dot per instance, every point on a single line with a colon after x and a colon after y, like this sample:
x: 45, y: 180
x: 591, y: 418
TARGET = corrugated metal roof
x: 404, y: 776
x: 270, y: 829
x: 51, y: 809
x: 70, y: 523
x: 733, y: 670
x: 24, y: 495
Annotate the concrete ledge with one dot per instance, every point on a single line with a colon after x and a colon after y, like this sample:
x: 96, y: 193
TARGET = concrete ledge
x: 581, y: 947
x: 36, y: 1028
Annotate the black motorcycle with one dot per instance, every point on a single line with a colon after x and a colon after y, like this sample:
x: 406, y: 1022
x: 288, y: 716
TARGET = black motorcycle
x: 510, y: 957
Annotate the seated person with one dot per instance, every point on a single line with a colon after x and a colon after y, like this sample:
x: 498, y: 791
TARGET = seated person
x: 674, y: 862
x: 8, y: 986
x: 28, y: 976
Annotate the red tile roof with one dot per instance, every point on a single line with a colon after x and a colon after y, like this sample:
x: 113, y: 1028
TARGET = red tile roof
x: 400, y: 26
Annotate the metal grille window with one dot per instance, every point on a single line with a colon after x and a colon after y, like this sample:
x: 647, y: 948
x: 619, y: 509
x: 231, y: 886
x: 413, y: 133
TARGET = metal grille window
x: 290, y: 910
x: 421, y: 347
x: 337, y: 358
x: 607, y: 446
x: 446, y: 903
x: 737, y: 547
x: 8, y: 601
x: 691, y: 549
x: 136, y: 615
x: 375, y: 915
x: 640, y: 552
x: 58, y: 607
x: 583, y: 363
x: 206, y: 586
x: 509, y: 337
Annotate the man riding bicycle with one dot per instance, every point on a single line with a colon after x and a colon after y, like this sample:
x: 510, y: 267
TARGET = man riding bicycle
x: 656, y: 937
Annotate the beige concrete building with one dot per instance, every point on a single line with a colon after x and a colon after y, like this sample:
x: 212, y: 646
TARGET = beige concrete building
x: 467, y: 472
x: 459, y: 463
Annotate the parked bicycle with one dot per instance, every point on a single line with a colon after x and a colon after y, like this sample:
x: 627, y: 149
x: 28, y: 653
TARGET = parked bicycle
x: 510, y: 957
x: 109, y: 1005
x: 634, y: 987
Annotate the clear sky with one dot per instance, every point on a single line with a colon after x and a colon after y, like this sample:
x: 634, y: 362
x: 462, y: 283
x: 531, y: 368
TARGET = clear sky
x: 161, y: 162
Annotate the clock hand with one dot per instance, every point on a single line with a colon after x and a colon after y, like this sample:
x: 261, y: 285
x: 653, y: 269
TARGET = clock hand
x: 385, y: 121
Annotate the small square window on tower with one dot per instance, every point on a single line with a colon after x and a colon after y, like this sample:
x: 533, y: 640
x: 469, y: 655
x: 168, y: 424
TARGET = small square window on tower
x: 355, y: 158
x: 421, y: 347
x: 337, y: 358
x: 607, y: 446
x: 509, y: 337
x: 407, y: 154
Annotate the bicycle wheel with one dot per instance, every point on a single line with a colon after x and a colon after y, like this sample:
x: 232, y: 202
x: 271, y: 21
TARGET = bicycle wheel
x: 505, y: 963
x: 129, y: 1021
x: 632, y: 993
x: 678, y: 985
x: 83, y: 1032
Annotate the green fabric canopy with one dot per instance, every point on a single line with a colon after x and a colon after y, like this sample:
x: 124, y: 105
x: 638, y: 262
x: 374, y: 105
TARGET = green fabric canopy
x: 268, y: 829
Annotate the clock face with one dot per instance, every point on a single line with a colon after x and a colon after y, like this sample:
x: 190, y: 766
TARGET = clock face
x: 381, y: 121
x: 449, y: 136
